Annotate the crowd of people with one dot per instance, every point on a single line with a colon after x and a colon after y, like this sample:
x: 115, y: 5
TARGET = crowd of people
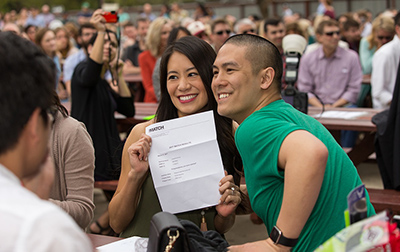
x: 189, y: 63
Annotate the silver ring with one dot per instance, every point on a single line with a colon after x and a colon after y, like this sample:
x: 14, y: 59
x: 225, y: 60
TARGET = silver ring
x: 233, y: 190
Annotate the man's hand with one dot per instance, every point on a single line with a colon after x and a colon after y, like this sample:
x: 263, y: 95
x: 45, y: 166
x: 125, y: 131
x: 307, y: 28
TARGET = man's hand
x: 41, y: 183
x: 259, y: 246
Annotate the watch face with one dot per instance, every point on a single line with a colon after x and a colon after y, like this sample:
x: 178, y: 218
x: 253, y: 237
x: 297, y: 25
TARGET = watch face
x: 278, y: 238
x: 275, y: 234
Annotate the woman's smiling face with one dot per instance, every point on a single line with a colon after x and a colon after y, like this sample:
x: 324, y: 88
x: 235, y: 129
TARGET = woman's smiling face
x: 185, y: 86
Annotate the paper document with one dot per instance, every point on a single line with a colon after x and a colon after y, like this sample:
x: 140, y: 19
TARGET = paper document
x: 340, y: 114
x: 131, y: 244
x: 185, y: 162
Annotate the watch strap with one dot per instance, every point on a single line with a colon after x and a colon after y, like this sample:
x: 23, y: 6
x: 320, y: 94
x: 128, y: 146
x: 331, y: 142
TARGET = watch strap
x: 277, y: 237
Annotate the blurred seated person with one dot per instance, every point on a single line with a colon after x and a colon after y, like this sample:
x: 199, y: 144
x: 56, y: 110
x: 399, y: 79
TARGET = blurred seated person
x: 295, y: 28
x: 177, y: 14
x: 382, y: 32
x: 95, y: 100
x: 64, y: 44
x: 12, y: 28
x: 331, y: 75
x: 245, y: 26
x: 30, y: 32
x: 384, y: 66
x: 71, y: 149
x: 85, y: 13
x: 274, y: 31
x: 316, y: 75
x: 317, y: 44
x: 351, y: 34
x: 131, y: 54
x: 198, y: 29
x: 85, y: 33
x: 220, y: 32
x: 128, y: 36
x: 365, y: 23
x: 156, y: 42
x: 46, y: 40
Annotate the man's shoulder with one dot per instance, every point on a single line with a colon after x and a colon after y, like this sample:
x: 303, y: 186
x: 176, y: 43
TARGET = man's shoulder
x: 312, y: 52
x: 270, y: 112
x: 26, y: 219
x: 345, y: 55
x: 75, y: 58
x: 134, y: 48
x: 389, y: 48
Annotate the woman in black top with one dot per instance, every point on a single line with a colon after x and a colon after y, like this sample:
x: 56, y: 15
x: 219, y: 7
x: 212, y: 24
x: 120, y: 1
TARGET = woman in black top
x: 95, y: 100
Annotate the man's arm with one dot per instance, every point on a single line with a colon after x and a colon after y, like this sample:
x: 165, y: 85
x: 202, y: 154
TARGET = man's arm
x: 129, y: 68
x: 303, y: 157
x: 354, y: 85
x: 380, y: 79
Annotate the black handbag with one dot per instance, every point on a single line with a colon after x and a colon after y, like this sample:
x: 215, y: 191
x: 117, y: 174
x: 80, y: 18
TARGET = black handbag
x: 167, y: 234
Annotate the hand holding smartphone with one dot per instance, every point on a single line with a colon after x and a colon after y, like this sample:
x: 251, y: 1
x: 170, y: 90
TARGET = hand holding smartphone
x: 110, y: 17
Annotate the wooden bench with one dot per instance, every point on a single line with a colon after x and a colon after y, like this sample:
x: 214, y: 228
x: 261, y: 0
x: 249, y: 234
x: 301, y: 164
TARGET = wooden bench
x: 110, y: 185
x: 383, y: 199
x: 371, y: 158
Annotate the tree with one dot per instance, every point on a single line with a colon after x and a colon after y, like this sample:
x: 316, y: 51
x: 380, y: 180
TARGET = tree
x: 264, y: 7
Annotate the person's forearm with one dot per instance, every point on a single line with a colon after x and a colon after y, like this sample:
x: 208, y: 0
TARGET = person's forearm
x: 340, y: 103
x: 131, y: 69
x: 122, y: 207
x: 123, y: 88
x: 314, y: 102
x: 97, y: 51
x: 224, y: 224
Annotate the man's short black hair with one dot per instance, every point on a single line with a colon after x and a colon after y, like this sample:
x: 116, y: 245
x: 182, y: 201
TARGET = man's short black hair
x: 86, y: 26
x: 261, y: 53
x: 27, y: 80
x: 350, y: 23
x: 397, y: 19
x: 271, y: 21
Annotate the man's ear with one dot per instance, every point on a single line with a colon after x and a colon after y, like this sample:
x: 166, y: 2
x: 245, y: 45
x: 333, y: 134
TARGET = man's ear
x: 318, y: 37
x: 33, y: 125
x: 397, y: 29
x: 267, y: 77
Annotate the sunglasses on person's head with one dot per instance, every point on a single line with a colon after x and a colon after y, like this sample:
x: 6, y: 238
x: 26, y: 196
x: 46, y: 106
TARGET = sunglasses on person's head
x: 222, y: 32
x: 384, y: 37
x: 249, y: 31
x: 330, y: 34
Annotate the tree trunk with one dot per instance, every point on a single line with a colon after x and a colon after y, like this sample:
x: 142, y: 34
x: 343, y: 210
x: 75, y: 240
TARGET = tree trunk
x: 264, y: 6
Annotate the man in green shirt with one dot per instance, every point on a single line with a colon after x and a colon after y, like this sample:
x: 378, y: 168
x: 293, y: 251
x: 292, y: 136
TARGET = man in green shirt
x: 297, y: 176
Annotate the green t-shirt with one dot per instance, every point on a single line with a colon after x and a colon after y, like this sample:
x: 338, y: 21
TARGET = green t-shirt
x: 259, y: 139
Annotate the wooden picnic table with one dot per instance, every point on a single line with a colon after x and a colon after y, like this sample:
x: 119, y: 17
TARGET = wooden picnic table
x: 365, y: 147
x: 100, y: 240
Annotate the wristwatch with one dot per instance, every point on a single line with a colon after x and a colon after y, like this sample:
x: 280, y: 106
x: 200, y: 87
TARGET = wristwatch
x: 278, y: 238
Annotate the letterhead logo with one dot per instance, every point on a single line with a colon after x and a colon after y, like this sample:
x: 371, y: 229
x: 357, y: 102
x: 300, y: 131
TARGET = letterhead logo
x: 156, y: 128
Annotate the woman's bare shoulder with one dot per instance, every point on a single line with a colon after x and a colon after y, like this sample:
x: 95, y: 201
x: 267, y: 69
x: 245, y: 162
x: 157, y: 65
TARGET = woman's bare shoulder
x: 138, y: 129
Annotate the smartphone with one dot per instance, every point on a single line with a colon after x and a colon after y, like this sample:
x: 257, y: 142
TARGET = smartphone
x: 110, y: 17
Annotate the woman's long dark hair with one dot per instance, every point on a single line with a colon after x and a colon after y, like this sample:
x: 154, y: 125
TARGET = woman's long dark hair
x: 201, y: 54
